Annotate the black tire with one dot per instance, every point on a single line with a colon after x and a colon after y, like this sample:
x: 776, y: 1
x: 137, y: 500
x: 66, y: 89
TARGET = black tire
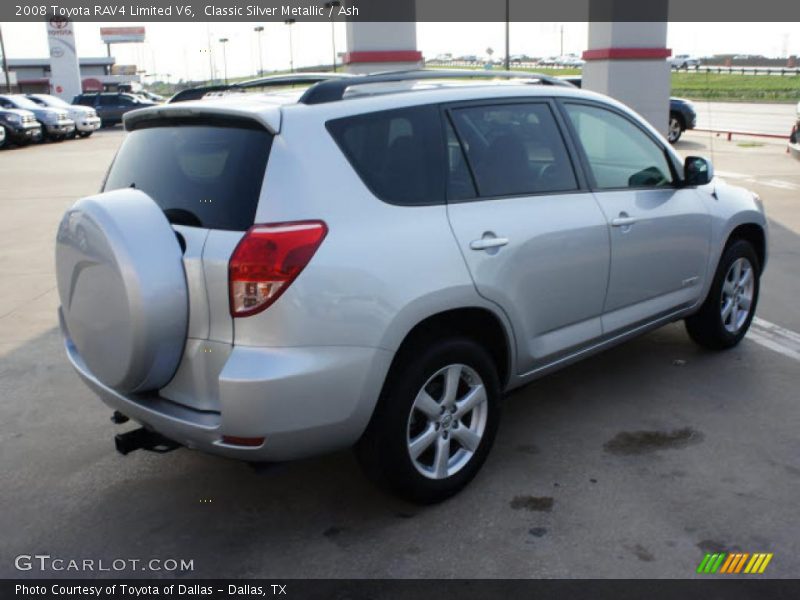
x: 676, y: 127
x: 85, y: 134
x: 706, y: 327
x: 383, y: 449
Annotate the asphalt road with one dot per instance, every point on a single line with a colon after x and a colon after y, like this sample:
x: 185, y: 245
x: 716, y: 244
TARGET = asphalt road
x: 633, y: 463
x: 774, y: 119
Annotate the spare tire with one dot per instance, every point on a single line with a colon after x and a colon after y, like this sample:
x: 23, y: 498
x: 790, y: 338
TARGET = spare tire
x: 123, y: 290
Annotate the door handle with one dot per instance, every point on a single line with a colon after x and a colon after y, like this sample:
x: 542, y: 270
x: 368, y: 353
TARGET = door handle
x: 623, y: 221
x: 488, y: 242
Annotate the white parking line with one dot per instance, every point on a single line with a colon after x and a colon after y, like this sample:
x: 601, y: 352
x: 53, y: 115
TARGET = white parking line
x: 776, y: 338
x: 776, y: 183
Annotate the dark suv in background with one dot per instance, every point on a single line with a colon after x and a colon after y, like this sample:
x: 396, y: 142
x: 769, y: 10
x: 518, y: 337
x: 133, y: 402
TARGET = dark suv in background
x: 20, y: 127
x: 110, y: 106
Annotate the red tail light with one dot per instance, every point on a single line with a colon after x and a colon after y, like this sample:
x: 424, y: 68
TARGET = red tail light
x: 267, y: 261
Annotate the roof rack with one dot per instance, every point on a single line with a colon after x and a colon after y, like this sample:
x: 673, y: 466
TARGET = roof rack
x: 334, y: 89
x: 271, y: 81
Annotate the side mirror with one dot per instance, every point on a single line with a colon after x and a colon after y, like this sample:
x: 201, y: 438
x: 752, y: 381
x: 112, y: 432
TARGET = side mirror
x: 697, y: 170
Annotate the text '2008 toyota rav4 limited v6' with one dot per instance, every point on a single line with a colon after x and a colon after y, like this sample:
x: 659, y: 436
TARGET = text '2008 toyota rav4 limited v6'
x: 374, y: 263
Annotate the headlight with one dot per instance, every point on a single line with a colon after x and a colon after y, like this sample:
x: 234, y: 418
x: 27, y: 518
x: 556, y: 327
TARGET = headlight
x: 12, y: 118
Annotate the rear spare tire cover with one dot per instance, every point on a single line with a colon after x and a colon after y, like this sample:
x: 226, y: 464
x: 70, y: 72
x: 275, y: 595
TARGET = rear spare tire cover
x: 123, y: 289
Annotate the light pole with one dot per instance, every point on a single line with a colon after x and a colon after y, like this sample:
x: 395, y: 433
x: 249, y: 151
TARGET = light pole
x: 330, y: 6
x: 507, y: 64
x: 224, y: 41
x: 5, y: 62
x: 290, y: 22
x: 259, y: 30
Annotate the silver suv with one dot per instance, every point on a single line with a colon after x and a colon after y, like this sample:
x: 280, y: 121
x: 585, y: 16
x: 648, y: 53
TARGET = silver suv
x: 376, y: 260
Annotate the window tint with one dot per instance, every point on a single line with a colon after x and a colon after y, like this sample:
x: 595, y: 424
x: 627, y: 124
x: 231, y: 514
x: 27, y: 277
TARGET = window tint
x: 397, y: 153
x: 109, y: 100
x: 514, y: 149
x: 620, y: 154
x: 200, y: 175
x: 459, y: 180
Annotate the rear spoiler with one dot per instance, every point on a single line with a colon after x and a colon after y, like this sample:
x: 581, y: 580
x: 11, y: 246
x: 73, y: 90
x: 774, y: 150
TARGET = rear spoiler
x: 262, y: 82
x: 267, y: 116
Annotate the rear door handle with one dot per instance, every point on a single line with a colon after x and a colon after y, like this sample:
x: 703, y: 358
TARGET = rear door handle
x: 488, y: 242
x: 625, y: 221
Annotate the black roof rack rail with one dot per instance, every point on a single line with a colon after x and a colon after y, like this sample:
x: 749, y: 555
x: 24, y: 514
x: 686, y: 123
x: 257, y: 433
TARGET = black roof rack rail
x: 334, y: 89
x: 270, y: 81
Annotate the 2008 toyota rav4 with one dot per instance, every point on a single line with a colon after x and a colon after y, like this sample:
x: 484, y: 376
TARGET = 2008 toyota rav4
x: 376, y: 261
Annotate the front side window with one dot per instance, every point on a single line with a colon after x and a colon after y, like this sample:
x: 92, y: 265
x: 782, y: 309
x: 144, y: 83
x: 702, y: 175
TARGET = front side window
x: 620, y: 155
x: 514, y: 149
x: 399, y: 154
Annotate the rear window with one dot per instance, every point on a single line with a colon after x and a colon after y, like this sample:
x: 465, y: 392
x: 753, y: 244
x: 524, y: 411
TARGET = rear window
x: 200, y: 175
x: 399, y: 154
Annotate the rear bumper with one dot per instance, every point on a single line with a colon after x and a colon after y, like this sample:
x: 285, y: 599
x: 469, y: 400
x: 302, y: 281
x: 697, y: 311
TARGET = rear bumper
x: 302, y: 401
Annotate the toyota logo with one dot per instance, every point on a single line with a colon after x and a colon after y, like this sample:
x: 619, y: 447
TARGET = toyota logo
x: 58, y: 22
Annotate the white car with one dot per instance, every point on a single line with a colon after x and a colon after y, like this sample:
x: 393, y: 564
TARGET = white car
x: 684, y: 61
x: 86, y: 119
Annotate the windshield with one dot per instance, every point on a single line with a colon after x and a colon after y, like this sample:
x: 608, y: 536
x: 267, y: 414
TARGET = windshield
x: 53, y: 101
x: 23, y: 102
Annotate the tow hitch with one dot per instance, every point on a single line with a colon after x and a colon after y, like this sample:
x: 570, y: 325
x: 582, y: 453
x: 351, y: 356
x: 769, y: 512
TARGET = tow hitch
x: 144, y: 439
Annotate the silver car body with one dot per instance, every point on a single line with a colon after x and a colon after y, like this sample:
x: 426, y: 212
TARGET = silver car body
x: 86, y: 119
x: 306, y: 373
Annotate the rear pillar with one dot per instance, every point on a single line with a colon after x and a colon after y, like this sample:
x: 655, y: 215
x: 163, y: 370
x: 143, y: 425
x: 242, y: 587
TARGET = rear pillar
x: 628, y: 61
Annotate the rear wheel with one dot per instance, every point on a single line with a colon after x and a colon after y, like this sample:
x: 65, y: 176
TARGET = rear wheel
x: 725, y: 316
x: 675, y: 128
x: 435, y: 422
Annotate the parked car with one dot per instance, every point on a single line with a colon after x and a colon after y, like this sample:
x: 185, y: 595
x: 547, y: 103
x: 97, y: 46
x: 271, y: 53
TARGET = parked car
x: 20, y: 127
x: 86, y: 119
x: 110, y: 106
x: 454, y: 242
x: 794, y: 137
x: 2, y: 136
x: 684, y: 61
x: 56, y: 124
x: 682, y: 114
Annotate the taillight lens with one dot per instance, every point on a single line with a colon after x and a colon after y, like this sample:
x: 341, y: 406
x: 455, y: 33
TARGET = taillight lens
x: 267, y: 260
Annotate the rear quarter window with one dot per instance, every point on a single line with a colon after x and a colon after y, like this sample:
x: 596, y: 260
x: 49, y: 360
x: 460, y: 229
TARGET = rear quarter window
x: 200, y: 175
x: 398, y: 154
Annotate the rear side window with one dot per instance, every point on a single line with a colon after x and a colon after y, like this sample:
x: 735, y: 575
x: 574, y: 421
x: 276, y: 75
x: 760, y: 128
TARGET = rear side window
x: 200, y: 175
x: 514, y: 149
x: 399, y: 154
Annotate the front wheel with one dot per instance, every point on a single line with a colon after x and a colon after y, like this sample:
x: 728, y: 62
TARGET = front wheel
x: 725, y: 316
x: 435, y: 422
x: 85, y: 134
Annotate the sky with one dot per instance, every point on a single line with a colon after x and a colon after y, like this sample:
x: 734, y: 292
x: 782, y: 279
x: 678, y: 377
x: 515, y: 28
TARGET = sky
x: 181, y: 49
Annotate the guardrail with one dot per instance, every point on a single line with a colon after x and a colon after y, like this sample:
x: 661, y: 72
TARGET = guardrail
x: 733, y: 70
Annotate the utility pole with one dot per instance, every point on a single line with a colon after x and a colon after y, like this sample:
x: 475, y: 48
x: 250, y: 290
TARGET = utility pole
x: 259, y: 30
x: 5, y: 62
x: 291, y: 22
x: 224, y: 41
x: 330, y: 6
x: 508, y: 19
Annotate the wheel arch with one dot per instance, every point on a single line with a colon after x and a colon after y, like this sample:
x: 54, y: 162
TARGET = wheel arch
x: 755, y: 235
x: 478, y: 323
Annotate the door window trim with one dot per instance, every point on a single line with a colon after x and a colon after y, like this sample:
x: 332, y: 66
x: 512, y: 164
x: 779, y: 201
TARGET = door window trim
x: 677, y: 179
x: 578, y: 169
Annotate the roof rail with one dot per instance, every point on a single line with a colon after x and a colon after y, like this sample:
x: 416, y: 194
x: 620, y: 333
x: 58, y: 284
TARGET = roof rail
x: 334, y: 89
x: 271, y: 81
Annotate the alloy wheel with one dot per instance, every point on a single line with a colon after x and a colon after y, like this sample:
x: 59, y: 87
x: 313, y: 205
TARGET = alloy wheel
x: 737, y: 295
x: 447, y: 421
